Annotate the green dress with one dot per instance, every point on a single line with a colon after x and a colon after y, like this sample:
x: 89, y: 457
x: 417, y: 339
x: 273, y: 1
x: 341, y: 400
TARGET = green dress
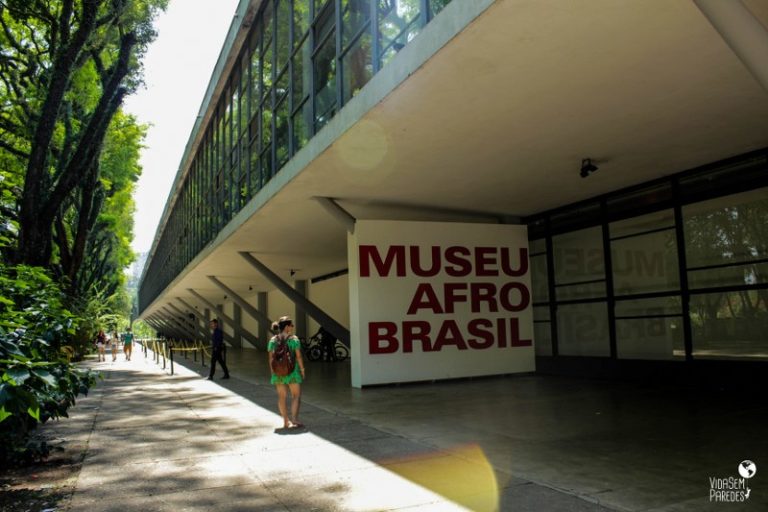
x: 295, y: 376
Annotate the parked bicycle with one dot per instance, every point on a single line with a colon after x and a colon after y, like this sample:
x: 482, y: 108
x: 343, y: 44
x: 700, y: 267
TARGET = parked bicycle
x: 324, y: 346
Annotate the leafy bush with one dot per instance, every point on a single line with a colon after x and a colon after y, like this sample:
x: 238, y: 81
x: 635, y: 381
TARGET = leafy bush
x: 36, y: 381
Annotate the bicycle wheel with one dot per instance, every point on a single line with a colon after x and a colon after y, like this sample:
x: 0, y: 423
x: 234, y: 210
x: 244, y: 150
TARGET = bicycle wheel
x: 315, y: 353
x: 342, y: 352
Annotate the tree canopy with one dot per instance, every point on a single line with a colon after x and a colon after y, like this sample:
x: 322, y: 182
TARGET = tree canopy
x: 68, y: 154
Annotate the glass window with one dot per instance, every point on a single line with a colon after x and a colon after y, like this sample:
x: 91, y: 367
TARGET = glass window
x: 255, y: 170
x: 266, y: 127
x: 542, y: 331
x: 398, y: 25
x: 582, y: 329
x: 255, y: 75
x: 301, y: 74
x: 300, y: 20
x: 354, y: 16
x: 283, y: 22
x: 281, y: 133
x: 579, y: 264
x: 650, y: 328
x: 726, y: 240
x: 302, y: 120
x: 325, y: 82
x: 435, y: 6
x: 539, y: 278
x: 644, y: 254
x: 265, y: 163
x: 319, y: 4
x: 357, y: 67
x: 730, y: 325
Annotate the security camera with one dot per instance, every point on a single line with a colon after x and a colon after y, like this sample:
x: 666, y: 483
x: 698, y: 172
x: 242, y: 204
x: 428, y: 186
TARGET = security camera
x: 587, y: 167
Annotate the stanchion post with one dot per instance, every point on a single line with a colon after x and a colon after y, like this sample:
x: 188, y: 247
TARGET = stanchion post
x: 170, y: 348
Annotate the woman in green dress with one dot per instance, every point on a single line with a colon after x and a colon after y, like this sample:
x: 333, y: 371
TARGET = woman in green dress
x: 284, y: 328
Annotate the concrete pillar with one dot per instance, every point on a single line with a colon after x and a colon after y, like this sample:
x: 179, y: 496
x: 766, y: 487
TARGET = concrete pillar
x: 256, y: 313
x: 265, y: 329
x: 300, y: 314
x: 320, y: 316
x: 223, y: 317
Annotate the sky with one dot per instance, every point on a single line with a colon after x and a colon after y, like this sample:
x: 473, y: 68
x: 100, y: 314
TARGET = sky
x: 177, y: 68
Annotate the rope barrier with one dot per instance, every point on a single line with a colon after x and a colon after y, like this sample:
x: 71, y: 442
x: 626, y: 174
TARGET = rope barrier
x: 165, y: 348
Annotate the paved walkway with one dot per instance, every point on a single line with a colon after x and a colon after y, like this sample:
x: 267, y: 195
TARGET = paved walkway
x: 159, y: 443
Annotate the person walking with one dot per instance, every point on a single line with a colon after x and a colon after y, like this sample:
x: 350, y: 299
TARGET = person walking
x: 218, y: 349
x: 283, y: 383
x: 101, y: 342
x: 113, y: 345
x: 128, y: 344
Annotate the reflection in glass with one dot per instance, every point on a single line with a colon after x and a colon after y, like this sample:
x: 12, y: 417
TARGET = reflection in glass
x: 730, y: 325
x: 325, y: 82
x: 300, y: 20
x: 281, y: 133
x: 579, y: 264
x: 539, y: 278
x: 398, y: 24
x: 354, y: 16
x: 582, y: 329
x: 357, y: 67
x: 283, y: 23
x: 731, y: 234
x: 435, y: 6
x: 645, y: 259
x: 644, y: 329
x: 302, y: 120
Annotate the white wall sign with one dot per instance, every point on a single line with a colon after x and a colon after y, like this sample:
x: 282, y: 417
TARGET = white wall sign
x: 435, y: 300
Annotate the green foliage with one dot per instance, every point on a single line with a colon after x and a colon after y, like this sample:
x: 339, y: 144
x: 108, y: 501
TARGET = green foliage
x: 37, y: 383
x: 143, y: 330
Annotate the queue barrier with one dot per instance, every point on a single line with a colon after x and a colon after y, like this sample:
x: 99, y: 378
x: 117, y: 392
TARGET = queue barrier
x: 162, y: 348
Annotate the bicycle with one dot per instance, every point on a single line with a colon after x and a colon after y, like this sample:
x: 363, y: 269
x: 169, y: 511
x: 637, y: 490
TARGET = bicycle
x: 324, y: 346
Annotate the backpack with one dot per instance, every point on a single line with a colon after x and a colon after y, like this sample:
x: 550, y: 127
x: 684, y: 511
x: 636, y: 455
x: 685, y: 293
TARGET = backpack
x: 283, y: 360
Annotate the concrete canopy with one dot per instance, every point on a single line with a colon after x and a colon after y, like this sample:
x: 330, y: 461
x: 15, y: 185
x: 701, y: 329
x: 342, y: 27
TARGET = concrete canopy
x: 493, y: 124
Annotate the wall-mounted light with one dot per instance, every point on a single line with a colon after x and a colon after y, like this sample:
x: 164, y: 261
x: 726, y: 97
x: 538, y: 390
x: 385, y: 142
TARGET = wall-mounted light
x: 587, y: 167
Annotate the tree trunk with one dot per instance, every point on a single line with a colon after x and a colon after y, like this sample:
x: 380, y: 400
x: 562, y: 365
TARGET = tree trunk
x: 35, y: 231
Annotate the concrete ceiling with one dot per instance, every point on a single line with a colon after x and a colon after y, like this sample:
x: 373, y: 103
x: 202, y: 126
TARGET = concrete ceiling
x: 497, y: 122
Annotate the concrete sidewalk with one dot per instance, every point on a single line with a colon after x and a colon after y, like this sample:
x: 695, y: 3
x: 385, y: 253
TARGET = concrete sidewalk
x: 174, y: 443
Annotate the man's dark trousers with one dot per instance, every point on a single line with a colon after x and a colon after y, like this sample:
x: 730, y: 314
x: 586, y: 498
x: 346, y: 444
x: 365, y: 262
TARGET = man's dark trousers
x: 218, y: 355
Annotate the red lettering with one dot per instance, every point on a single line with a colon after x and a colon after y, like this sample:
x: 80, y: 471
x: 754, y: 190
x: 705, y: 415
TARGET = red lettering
x: 376, y: 337
x: 383, y: 336
x: 485, y: 256
x: 506, y: 302
x: 416, y: 262
x: 449, y: 334
x: 475, y: 329
x: 462, y: 266
x: 370, y: 253
x: 506, y: 264
x: 483, y: 292
x: 514, y: 339
x: 425, y: 298
x: 501, y: 330
x: 416, y: 331
x: 451, y: 296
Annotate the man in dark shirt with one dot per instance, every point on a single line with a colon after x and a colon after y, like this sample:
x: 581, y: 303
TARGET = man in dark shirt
x: 217, y: 349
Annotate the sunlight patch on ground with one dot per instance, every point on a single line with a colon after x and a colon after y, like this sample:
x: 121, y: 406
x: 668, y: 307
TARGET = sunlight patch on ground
x: 462, y: 474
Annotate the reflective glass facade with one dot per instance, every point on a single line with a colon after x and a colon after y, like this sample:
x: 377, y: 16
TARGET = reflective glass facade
x: 303, y: 60
x: 676, y: 269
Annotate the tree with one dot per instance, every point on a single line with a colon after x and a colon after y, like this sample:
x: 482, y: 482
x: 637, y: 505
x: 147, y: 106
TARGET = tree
x: 67, y: 67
